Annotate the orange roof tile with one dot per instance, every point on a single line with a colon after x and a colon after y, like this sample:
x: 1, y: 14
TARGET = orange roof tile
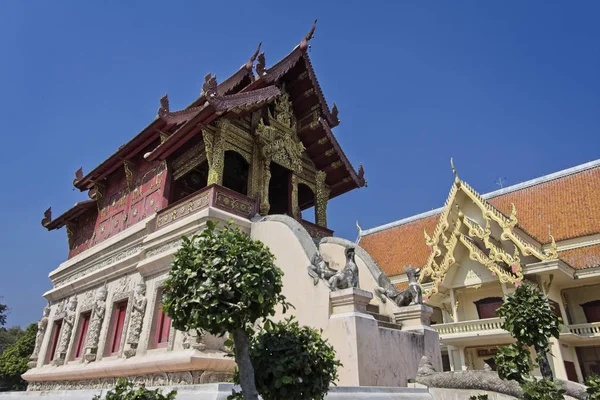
x: 569, y: 205
x: 582, y: 257
x: 568, y: 202
x: 402, y: 285
x: 403, y: 245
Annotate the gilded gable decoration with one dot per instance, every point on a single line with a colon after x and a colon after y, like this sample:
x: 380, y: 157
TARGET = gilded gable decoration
x: 501, y: 255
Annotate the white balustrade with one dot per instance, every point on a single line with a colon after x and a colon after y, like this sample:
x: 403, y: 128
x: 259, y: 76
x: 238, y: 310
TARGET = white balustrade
x: 591, y: 329
x: 466, y: 327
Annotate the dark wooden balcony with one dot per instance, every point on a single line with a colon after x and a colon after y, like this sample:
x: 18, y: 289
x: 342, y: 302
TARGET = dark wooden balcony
x: 211, y: 196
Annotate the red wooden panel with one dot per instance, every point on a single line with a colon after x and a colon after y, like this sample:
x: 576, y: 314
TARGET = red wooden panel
x: 486, y: 308
x: 120, y: 311
x: 571, y: 371
x: 83, y: 328
x: 163, y: 329
x: 54, y: 340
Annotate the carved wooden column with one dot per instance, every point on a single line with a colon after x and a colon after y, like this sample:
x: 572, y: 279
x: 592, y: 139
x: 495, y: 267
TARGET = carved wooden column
x: 294, y: 210
x: 265, y: 206
x: 322, y: 197
x: 215, y: 154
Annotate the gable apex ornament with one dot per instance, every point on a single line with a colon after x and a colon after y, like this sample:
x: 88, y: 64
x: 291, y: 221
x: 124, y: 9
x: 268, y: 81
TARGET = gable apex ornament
x: 78, y: 175
x: 209, y: 87
x: 250, y: 63
x: 47, y: 217
x: 453, y: 169
x: 163, y: 110
x: 309, y: 36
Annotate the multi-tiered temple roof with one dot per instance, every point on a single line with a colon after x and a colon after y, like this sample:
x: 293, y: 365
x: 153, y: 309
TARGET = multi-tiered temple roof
x: 278, y: 114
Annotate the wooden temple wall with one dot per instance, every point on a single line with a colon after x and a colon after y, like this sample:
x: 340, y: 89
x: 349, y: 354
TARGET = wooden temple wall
x: 124, y: 203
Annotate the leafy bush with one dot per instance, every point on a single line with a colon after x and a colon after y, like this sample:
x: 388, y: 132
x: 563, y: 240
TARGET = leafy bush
x: 513, y: 362
x: 13, y: 361
x: 593, y: 387
x: 292, y: 362
x: 125, y: 390
x: 542, y: 389
x: 223, y: 281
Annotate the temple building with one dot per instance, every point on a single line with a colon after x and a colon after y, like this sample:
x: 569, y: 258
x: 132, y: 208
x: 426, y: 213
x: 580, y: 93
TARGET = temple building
x: 477, y: 249
x: 256, y: 144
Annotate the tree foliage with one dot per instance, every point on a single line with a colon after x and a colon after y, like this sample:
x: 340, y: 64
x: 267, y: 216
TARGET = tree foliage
x: 125, y: 390
x: 593, y: 387
x: 513, y: 362
x: 529, y: 318
x: 292, y: 362
x: 3, y: 312
x: 542, y: 389
x: 13, y: 361
x: 9, y: 336
x: 223, y: 281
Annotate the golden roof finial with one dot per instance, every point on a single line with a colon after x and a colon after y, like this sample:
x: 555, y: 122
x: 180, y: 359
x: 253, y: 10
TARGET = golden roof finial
x: 358, y: 227
x: 453, y: 169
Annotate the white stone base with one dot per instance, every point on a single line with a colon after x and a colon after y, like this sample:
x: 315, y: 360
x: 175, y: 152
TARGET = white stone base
x: 220, y: 391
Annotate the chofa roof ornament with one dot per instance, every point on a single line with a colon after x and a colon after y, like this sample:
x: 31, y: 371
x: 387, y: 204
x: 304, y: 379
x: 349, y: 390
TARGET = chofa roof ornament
x: 309, y: 35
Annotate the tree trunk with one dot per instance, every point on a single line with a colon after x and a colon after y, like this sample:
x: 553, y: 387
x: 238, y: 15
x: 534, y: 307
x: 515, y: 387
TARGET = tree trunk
x: 242, y: 358
x: 543, y: 362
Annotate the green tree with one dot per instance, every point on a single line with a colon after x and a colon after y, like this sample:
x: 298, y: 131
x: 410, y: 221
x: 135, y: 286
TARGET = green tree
x: 13, y: 362
x: 125, y: 390
x: 223, y: 281
x: 593, y: 387
x: 9, y: 336
x: 529, y: 318
x: 3, y: 312
x: 292, y: 362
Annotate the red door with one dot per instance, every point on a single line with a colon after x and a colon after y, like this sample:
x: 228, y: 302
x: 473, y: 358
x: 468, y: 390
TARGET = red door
x: 592, y: 311
x: 54, y: 340
x: 85, y: 322
x: 121, y: 309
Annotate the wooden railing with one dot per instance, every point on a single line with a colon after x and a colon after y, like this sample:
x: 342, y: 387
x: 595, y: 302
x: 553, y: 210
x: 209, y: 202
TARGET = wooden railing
x: 467, y: 327
x: 211, y: 196
x: 315, y: 230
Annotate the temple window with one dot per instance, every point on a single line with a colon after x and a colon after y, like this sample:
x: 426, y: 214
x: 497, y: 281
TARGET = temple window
x: 235, y: 172
x: 117, y: 324
x: 84, y: 322
x: 161, y: 326
x: 54, y: 340
x: 556, y: 309
x: 190, y: 183
x: 592, y: 311
x: 486, y: 308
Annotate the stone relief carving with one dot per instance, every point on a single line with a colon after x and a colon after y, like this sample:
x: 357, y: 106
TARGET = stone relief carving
x: 155, y: 379
x: 348, y: 276
x: 402, y: 298
x: 194, y: 339
x: 109, y: 261
x: 93, y: 335
x: 138, y: 308
x: 162, y: 248
x: 42, y: 325
x: 319, y: 269
x: 65, y: 336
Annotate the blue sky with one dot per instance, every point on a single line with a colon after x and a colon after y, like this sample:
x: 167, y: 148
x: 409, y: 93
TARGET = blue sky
x: 509, y: 89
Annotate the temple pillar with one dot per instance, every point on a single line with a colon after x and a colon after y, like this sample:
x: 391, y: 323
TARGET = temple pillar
x: 215, y: 153
x: 265, y: 206
x: 453, y: 305
x: 322, y: 197
x: 293, y: 207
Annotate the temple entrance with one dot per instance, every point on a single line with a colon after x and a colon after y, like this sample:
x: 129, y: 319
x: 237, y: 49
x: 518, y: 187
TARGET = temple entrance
x: 235, y: 172
x: 190, y: 183
x: 279, y: 189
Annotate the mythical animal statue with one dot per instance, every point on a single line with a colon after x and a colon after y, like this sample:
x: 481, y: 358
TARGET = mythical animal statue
x: 348, y: 276
x: 319, y: 269
x: 137, y: 316
x: 42, y: 325
x: 410, y: 296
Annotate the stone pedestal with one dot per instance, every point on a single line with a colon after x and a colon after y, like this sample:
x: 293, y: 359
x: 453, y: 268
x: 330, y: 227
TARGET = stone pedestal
x: 414, y: 318
x: 350, y: 300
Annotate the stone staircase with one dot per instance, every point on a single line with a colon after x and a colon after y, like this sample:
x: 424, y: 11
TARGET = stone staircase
x: 382, y: 320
